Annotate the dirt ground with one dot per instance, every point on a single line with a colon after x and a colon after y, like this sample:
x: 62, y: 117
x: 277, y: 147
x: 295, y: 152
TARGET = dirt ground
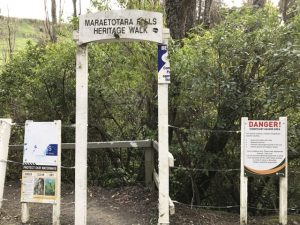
x: 123, y: 206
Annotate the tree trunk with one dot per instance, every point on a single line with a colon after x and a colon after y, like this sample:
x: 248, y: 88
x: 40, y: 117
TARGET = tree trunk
x: 259, y: 3
x: 54, y: 20
x: 284, y: 10
x: 288, y: 9
x: 177, y: 13
x: 61, y: 12
x: 74, y: 8
x: 199, y: 11
x: 191, y: 15
x: 11, y: 38
x: 176, y: 16
x: 206, y: 13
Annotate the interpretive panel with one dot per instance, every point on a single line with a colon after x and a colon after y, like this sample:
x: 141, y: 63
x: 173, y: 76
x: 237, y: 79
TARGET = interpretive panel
x: 264, y: 147
x: 39, y: 186
x: 121, y: 25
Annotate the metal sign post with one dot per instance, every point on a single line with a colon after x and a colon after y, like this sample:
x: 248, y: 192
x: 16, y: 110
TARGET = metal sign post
x: 118, y: 26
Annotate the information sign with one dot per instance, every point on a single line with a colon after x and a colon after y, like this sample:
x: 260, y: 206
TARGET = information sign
x: 121, y: 25
x: 164, y: 74
x: 264, y: 147
x: 41, y: 144
x: 39, y: 186
x: 41, y: 161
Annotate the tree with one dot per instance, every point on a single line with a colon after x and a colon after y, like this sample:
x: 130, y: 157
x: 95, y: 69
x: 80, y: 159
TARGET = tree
x: 232, y: 70
x: 74, y: 8
x: 54, y: 20
x: 259, y: 3
x: 288, y: 9
x: 10, y: 37
x: 50, y: 27
x: 191, y: 15
x: 177, y: 16
x: 206, y: 13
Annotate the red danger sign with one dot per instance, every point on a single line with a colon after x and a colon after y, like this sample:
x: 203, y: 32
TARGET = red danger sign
x: 264, y: 147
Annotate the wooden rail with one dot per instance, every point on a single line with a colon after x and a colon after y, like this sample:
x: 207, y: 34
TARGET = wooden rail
x: 151, y: 176
x: 156, y: 176
x: 101, y: 145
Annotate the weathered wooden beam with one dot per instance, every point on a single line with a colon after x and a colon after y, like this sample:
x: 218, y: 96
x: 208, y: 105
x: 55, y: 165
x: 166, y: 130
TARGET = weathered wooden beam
x: 149, y: 166
x: 155, y: 145
x: 171, y: 160
x: 171, y: 204
x: 81, y: 134
x: 100, y: 145
x: 5, y: 129
x: 170, y: 156
x: 155, y: 177
x: 283, y: 181
x: 171, y: 207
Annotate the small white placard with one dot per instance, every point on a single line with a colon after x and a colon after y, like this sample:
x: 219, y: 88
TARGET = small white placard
x: 41, y: 145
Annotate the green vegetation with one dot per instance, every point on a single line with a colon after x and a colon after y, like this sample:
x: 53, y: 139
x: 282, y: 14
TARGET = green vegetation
x: 246, y: 65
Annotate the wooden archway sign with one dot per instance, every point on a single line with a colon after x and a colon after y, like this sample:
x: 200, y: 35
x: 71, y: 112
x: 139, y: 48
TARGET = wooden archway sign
x: 117, y: 26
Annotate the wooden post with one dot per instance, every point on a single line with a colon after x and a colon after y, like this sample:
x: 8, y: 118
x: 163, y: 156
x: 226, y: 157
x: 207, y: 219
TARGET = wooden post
x: 163, y: 146
x: 283, y: 181
x: 25, y: 212
x: 81, y: 135
x: 56, y: 207
x: 243, y: 179
x: 149, y: 165
x: 5, y: 127
x: 163, y: 154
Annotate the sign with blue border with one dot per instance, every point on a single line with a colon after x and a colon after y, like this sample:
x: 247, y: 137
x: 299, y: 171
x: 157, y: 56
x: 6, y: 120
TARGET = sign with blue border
x: 163, y: 64
x: 41, y: 143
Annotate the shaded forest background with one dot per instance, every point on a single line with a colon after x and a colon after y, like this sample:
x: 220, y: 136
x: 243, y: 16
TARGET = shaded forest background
x: 225, y: 64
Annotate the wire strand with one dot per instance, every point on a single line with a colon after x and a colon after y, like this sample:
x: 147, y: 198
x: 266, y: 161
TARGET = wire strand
x: 175, y: 167
x: 205, y: 170
x: 206, y: 130
x: 206, y: 206
x: 228, y: 207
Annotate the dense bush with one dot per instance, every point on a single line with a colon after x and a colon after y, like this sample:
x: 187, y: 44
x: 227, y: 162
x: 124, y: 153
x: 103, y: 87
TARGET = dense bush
x: 248, y: 65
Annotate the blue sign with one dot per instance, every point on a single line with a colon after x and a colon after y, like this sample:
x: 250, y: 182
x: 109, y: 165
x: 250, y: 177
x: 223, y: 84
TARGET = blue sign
x: 51, y: 150
x: 163, y: 64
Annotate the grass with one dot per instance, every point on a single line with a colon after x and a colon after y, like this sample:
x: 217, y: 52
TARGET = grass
x: 24, y: 29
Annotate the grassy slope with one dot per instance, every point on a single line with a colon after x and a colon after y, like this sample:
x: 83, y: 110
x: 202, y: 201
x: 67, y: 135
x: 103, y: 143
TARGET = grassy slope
x: 25, y: 30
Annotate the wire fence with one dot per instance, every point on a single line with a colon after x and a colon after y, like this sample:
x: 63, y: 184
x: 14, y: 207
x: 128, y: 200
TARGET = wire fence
x: 175, y: 168
x: 212, y: 207
x: 229, y: 207
x: 294, y: 129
